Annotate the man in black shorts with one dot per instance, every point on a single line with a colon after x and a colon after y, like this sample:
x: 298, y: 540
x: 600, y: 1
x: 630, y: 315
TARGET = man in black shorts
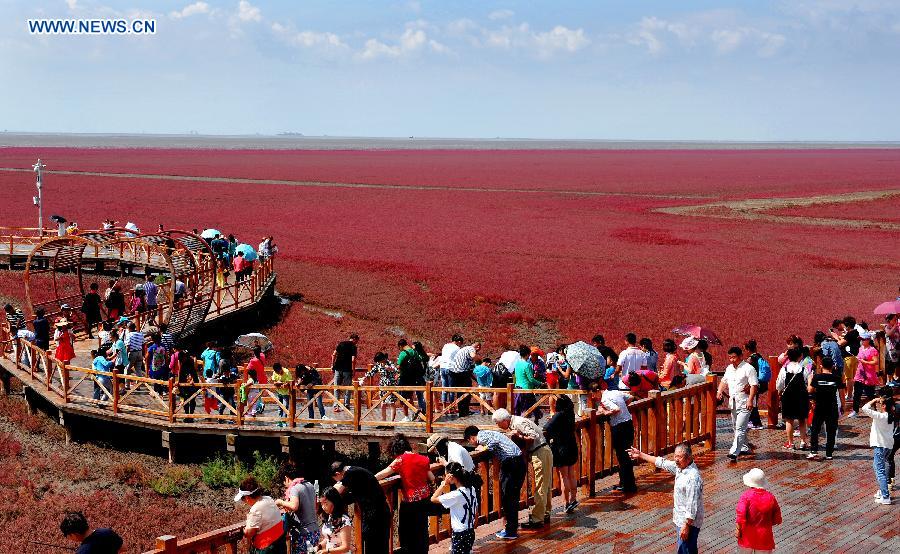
x: 343, y: 361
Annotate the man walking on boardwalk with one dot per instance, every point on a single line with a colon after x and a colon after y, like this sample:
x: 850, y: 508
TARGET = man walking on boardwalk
x: 741, y: 383
x: 687, y: 511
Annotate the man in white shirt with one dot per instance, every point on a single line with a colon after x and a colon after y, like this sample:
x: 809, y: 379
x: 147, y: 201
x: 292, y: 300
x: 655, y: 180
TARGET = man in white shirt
x: 741, y: 383
x: 687, y: 509
x: 447, y: 353
x: 614, y: 404
x: 631, y: 359
x: 448, y: 451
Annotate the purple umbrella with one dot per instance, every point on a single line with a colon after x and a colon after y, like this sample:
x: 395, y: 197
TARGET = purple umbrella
x: 889, y: 307
x: 698, y: 332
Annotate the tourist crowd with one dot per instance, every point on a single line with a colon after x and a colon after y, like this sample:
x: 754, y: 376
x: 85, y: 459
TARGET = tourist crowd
x: 814, y: 381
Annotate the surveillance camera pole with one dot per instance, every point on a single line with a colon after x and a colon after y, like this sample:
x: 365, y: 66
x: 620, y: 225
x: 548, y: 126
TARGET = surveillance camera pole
x: 39, y: 199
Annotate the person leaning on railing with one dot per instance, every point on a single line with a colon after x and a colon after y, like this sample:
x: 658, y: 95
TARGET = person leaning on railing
x: 512, y: 473
x: 415, y: 478
x: 361, y: 485
x: 264, y: 528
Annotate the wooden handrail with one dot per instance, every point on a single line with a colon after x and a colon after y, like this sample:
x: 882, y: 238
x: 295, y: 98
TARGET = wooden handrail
x: 697, y: 408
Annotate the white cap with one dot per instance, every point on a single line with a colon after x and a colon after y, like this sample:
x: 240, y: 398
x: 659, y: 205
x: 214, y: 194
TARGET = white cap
x: 689, y: 343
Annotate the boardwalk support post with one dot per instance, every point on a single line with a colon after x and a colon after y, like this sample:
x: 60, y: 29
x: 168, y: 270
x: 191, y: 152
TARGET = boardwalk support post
x: 168, y: 442
x: 66, y: 426
x: 231, y: 443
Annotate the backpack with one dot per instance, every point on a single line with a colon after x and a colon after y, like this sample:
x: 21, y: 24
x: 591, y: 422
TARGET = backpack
x: 412, y: 370
x: 500, y: 375
x: 763, y: 370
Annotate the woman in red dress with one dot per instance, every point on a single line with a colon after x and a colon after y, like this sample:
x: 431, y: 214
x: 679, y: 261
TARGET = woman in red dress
x: 65, y: 341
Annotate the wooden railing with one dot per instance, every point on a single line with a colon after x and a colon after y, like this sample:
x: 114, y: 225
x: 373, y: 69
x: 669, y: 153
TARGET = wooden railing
x: 164, y: 401
x: 660, y: 422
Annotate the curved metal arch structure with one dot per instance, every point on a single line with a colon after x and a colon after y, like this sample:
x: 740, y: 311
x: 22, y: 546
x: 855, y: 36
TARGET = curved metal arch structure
x: 56, y: 267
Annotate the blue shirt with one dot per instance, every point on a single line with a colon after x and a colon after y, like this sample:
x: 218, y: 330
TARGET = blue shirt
x: 483, y: 375
x: 100, y: 363
x: 121, y: 353
x: 210, y: 359
x: 499, y: 445
x: 831, y: 349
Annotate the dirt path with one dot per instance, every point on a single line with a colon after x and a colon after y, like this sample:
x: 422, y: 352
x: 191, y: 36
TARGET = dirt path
x: 756, y: 208
x: 323, y: 184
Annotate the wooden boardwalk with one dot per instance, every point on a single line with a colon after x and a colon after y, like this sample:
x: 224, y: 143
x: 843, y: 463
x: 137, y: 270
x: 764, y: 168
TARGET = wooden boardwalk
x: 826, y: 506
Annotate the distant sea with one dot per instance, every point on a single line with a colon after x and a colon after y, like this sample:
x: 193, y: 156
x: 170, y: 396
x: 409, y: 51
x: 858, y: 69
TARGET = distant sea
x: 299, y: 142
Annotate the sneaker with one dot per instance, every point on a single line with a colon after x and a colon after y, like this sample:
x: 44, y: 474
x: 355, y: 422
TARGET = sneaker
x: 812, y: 456
x: 745, y: 450
x: 851, y: 414
x: 788, y: 446
x: 503, y: 535
x: 796, y: 433
x: 803, y: 445
x: 405, y: 420
x: 885, y: 501
x: 547, y: 518
x: 532, y: 524
x: 757, y: 427
x: 732, y: 458
x: 570, y: 507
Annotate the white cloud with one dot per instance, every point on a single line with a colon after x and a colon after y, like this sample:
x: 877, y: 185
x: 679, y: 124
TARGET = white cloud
x: 72, y: 4
x: 248, y: 12
x: 560, y: 39
x: 412, y: 40
x: 310, y: 39
x: 652, y: 33
x: 717, y: 31
x: 500, y: 14
x: 544, y: 44
x: 191, y: 9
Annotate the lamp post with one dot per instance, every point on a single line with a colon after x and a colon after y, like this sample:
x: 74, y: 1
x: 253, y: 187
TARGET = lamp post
x: 39, y: 199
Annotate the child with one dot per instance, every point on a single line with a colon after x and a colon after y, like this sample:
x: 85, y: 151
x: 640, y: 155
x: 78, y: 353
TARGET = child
x: 462, y: 503
x: 485, y: 378
x: 388, y: 377
x: 881, y: 439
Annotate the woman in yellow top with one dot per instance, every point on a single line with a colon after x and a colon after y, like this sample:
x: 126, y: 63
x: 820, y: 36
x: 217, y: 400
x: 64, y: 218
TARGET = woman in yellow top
x: 282, y: 379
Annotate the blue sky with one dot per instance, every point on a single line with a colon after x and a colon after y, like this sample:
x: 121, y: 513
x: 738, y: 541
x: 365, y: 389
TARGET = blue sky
x: 702, y: 70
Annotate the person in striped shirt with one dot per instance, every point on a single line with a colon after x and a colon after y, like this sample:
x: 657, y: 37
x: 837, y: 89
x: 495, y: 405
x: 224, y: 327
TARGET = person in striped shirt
x: 134, y: 342
x: 512, y: 473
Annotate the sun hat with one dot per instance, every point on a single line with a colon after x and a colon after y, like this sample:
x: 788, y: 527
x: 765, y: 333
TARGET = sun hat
x: 755, y: 478
x: 434, y: 439
x: 62, y: 322
x: 689, y: 343
x: 242, y: 493
x: 538, y: 351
